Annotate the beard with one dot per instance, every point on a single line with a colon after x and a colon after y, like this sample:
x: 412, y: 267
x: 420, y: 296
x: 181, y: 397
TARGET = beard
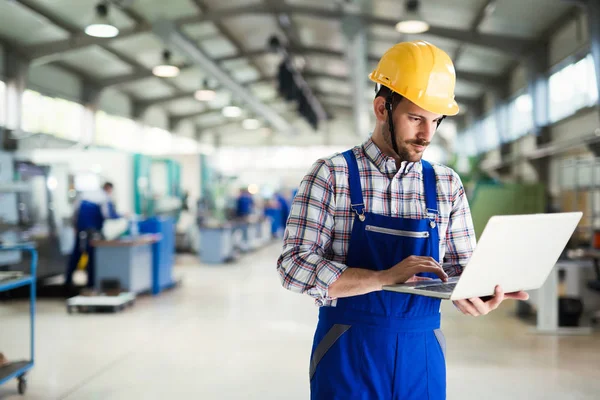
x: 405, y: 150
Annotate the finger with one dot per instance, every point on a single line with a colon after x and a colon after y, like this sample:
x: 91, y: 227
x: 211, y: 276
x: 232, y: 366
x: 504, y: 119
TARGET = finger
x: 467, y: 308
x: 481, y: 307
x: 517, y: 295
x: 497, y: 299
x: 459, y: 305
x: 470, y: 308
x: 432, y: 269
x: 418, y: 279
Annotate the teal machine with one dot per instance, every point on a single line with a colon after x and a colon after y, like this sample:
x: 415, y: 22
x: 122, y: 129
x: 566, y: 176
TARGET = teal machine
x: 159, y: 215
x: 145, y: 203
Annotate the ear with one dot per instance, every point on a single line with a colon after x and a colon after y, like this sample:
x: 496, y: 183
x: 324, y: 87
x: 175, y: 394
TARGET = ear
x: 379, y: 109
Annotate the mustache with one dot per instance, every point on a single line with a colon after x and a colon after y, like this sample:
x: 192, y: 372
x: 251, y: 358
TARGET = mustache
x: 419, y: 142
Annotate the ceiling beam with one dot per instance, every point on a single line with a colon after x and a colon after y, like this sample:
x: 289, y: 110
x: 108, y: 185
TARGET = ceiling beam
x: 486, y: 10
x: 224, y: 30
x: 508, y: 44
x: 74, y: 29
x: 307, y: 74
x: 474, y: 77
x: 173, y: 37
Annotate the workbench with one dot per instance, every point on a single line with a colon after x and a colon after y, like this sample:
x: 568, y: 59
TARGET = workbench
x: 129, y: 260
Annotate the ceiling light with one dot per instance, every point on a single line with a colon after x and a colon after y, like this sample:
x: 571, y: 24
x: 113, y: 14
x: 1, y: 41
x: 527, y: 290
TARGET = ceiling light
x: 101, y: 26
x: 250, y: 124
x: 205, y: 95
x: 412, y: 22
x: 166, y: 69
x: 232, y: 111
x: 253, y: 188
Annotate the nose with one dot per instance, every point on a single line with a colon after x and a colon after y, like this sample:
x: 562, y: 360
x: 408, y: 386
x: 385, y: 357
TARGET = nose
x: 427, y: 130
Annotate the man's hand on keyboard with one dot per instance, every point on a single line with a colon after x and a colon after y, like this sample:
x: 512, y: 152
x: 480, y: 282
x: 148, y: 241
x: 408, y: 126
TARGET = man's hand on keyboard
x: 477, y: 306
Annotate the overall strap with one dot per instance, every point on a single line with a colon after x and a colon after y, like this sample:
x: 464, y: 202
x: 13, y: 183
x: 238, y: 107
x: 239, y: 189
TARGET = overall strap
x: 429, y: 183
x: 356, y: 196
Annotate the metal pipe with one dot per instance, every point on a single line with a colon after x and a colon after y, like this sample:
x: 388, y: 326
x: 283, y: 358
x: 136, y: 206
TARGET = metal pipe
x: 174, y: 38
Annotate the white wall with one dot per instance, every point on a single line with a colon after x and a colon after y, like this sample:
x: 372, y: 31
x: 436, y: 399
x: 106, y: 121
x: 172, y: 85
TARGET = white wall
x: 155, y: 117
x: 572, y: 38
x: 114, y: 102
x: 53, y: 81
x: 186, y: 128
x: 113, y: 166
x: 518, y: 79
x: 190, y: 175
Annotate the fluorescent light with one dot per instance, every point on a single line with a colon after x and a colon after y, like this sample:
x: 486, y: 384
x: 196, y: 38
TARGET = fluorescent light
x: 102, y: 30
x: 101, y: 26
x: 412, y: 26
x: 205, y: 95
x: 232, y: 111
x: 165, y: 71
x: 250, y: 124
x: 412, y: 22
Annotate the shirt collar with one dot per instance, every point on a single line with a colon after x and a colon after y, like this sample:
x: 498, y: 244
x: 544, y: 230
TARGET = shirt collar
x: 386, y: 164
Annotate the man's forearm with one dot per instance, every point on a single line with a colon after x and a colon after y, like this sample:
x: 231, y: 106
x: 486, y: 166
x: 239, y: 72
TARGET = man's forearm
x: 354, y: 282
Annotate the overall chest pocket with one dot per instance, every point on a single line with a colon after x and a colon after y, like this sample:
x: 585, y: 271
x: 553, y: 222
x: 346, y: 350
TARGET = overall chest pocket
x: 389, y: 246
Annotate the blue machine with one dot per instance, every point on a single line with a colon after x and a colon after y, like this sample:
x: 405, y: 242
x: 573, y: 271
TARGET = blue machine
x: 18, y: 369
x: 163, y: 251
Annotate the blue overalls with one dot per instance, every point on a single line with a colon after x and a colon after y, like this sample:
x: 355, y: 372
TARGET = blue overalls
x: 382, y: 345
x: 89, y: 220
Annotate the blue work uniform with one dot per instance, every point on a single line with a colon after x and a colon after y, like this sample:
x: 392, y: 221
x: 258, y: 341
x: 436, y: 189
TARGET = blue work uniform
x: 90, y: 219
x: 244, y: 206
x: 382, y: 345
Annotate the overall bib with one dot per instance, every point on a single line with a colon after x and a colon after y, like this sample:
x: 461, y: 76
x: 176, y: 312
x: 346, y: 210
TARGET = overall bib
x: 382, y: 345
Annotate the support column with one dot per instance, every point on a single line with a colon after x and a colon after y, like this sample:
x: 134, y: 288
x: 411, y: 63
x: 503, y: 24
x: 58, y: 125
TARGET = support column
x: 593, y: 13
x: 90, y: 98
x: 16, y: 68
x: 537, y: 86
x: 355, y: 32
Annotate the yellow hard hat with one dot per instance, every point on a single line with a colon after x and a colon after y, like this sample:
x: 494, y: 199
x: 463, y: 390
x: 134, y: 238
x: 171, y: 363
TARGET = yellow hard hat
x: 422, y: 73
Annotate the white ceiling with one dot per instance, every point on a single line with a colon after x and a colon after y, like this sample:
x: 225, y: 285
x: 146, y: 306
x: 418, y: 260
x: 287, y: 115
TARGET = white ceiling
x: 23, y: 27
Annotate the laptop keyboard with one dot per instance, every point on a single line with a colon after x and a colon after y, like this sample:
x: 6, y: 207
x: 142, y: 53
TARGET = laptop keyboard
x: 442, y: 288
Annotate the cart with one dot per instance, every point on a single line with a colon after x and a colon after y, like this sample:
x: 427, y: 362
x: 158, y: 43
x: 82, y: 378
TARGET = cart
x: 19, y: 369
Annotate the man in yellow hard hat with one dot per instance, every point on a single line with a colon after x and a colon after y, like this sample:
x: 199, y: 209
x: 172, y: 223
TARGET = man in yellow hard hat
x: 379, y: 214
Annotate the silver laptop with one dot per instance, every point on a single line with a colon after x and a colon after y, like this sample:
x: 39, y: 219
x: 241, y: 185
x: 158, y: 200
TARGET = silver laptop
x: 516, y: 252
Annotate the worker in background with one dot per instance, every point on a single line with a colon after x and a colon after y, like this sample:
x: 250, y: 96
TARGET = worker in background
x: 91, y: 212
x: 284, y: 205
x: 244, y: 204
x: 378, y: 215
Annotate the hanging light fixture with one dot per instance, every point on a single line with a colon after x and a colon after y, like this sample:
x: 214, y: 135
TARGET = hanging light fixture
x: 412, y: 22
x: 250, y: 124
x: 166, y: 69
x: 101, y: 26
x: 232, y: 111
x: 206, y: 93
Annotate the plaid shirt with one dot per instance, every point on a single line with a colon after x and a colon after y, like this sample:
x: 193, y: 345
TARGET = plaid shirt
x: 320, y: 223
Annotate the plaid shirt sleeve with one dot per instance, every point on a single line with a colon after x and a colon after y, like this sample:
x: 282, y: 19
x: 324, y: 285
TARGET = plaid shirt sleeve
x: 302, y: 265
x: 460, y: 236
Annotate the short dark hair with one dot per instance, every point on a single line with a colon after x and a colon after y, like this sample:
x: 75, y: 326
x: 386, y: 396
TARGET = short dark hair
x: 107, y: 185
x: 385, y: 92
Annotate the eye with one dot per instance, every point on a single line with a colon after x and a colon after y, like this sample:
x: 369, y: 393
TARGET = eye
x: 415, y: 119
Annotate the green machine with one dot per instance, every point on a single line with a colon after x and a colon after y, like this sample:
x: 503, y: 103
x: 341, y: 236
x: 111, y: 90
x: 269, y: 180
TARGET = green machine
x: 145, y: 202
x: 489, y: 197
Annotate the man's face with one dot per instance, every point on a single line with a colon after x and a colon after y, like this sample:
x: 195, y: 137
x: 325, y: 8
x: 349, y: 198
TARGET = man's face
x: 108, y: 190
x: 414, y: 129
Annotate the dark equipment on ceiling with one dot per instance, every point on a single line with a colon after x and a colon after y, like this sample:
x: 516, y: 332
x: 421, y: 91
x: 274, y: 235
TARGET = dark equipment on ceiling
x: 292, y: 87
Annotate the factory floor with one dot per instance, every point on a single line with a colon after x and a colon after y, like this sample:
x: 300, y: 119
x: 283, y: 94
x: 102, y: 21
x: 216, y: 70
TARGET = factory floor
x: 231, y: 332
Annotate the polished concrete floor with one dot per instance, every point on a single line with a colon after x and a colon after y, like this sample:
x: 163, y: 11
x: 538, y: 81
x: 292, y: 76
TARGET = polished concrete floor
x: 231, y: 332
